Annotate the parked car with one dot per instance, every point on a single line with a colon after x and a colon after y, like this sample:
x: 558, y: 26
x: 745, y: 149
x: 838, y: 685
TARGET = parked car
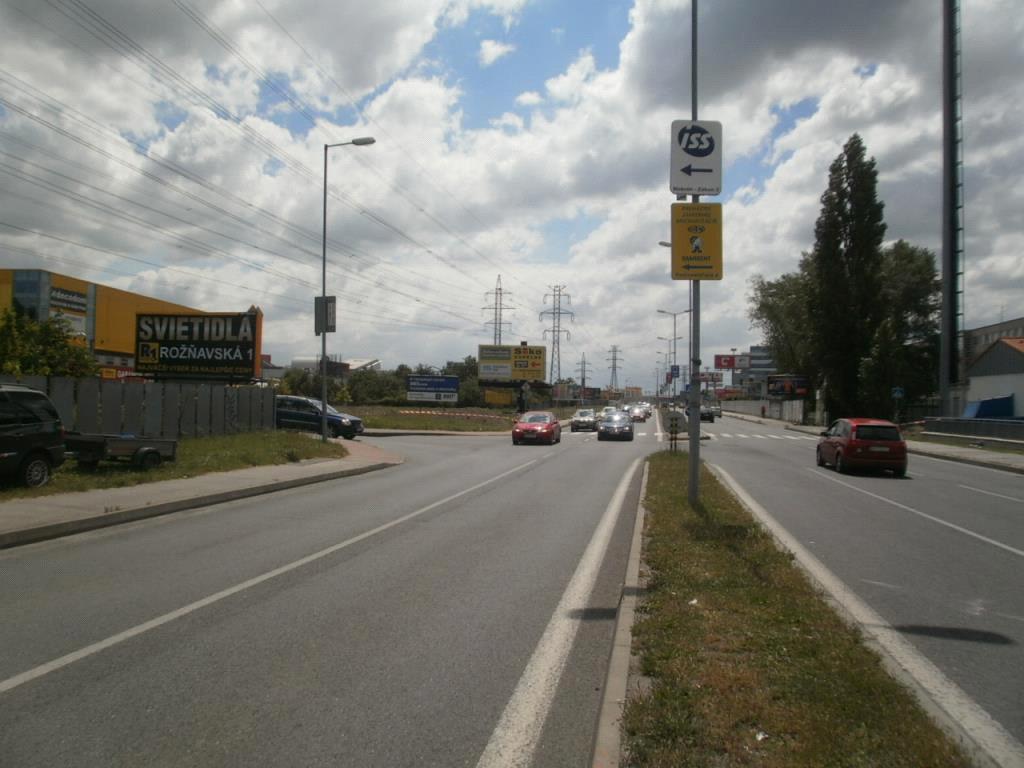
x: 858, y: 443
x: 615, y: 426
x: 294, y: 412
x: 585, y: 418
x: 537, y: 427
x: 31, y: 435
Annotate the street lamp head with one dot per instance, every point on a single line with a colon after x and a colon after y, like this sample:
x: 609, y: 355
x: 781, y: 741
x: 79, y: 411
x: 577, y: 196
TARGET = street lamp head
x: 664, y: 244
x: 363, y: 141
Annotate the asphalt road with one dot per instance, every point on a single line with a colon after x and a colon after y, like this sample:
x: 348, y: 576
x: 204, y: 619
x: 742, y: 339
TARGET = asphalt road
x: 939, y: 554
x: 456, y: 610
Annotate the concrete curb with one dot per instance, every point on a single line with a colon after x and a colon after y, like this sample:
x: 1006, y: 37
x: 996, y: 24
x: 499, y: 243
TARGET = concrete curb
x: 608, y: 740
x: 81, y: 525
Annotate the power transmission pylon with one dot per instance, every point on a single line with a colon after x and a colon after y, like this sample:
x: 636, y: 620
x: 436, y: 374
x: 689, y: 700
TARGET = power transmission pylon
x: 499, y: 293
x: 555, y: 330
x: 613, y: 385
x: 582, y: 370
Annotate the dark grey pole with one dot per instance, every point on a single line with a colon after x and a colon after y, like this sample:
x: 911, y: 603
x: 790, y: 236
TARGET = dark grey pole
x: 694, y: 398
x: 323, y: 319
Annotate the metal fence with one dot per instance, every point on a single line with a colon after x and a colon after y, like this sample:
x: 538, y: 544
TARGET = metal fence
x: 155, y: 409
x: 1002, y: 429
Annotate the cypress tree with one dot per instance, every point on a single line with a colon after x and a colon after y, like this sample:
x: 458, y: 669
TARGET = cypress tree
x: 845, y: 273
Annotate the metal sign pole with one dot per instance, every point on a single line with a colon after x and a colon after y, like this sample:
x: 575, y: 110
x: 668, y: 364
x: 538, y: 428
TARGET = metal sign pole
x: 694, y: 395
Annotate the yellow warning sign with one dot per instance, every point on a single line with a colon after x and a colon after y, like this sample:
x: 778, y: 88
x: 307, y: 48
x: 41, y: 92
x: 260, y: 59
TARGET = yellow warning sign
x: 696, y: 241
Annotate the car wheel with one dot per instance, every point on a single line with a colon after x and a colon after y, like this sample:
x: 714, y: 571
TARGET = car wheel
x: 820, y: 459
x: 900, y: 471
x: 150, y: 460
x: 841, y: 467
x: 630, y: 438
x: 514, y: 441
x: 35, y: 472
x: 600, y: 436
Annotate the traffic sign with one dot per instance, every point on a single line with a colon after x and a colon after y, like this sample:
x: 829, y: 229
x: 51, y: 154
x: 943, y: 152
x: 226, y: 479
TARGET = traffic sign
x: 675, y: 371
x: 696, y: 241
x: 696, y: 157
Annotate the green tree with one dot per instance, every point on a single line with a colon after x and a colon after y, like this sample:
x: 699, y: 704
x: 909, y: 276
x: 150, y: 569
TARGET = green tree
x: 779, y: 308
x: 905, y: 346
x: 857, y: 318
x: 844, y: 271
x: 47, y: 348
x: 299, y: 382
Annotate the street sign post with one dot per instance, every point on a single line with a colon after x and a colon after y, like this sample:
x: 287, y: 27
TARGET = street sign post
x: 696, y: 241
x: 696, y: 157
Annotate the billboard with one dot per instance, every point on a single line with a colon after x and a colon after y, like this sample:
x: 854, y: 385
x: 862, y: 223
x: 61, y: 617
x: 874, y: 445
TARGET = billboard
x: 219, y: 347
x: 433, y: 389
x: 505, y: 363
x: 732, y: 362
x: 788, y: 386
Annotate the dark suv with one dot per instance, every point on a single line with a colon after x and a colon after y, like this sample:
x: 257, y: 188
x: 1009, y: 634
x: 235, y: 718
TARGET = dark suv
x: 294, y: 412
x: 31, y: 435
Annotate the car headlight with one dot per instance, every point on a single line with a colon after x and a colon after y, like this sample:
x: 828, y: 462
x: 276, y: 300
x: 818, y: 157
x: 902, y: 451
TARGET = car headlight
x: 346, y: 422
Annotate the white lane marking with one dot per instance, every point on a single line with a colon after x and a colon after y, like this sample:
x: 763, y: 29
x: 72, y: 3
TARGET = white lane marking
x: 515, y: 738
x: 776, y: 437
x: 89, y: 650
x: 925, y: 515
x: 942, y: 697
x: 742, y: 435
x: 760, y: 437
x: 793, y: 437
x: 990, y: 493
x: 881, y: 584
x: 726, y: 434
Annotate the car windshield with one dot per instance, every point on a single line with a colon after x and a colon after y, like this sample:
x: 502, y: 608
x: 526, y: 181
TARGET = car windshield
x: 584, y: 414
x: 615, y: 417
x: 877, y: 432
x: 536, y: 418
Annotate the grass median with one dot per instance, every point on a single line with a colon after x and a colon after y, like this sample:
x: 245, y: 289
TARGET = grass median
x: 746, y: 663
x: 196, y: 456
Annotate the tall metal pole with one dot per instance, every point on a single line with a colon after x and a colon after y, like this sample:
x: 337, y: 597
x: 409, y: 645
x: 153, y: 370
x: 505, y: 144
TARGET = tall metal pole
x: 694, y: 398
x: 323, y: 320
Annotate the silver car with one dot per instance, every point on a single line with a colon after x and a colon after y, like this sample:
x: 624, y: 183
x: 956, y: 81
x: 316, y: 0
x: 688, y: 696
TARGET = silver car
x: 585, y: 418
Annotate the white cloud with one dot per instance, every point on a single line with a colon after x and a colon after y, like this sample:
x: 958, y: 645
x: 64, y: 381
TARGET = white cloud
x: 492, y: 50
x: 421, y: 223
x: 529, y: 99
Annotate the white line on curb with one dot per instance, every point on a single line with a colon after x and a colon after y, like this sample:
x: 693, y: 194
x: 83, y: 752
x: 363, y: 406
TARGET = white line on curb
x: 515, y: 738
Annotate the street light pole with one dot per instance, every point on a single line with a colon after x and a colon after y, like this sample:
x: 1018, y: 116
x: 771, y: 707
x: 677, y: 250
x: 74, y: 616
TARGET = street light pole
x: 674, y: 337
x: 362, y: 141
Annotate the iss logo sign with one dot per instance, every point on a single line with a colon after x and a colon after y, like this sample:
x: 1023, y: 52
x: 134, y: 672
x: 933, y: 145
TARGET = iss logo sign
x: 696, y: 158
x: 216, y: 347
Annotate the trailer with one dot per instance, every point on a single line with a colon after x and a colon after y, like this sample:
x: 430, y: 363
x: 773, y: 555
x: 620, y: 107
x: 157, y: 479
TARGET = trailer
x: 142, y: 452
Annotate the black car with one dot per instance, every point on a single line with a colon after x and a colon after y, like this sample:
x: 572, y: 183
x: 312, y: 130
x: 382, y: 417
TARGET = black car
x: 294, y: 412
x: 31, y: 435
x: 615, y: 426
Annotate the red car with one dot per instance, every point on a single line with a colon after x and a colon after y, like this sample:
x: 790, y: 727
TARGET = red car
x: 537, y: 427
x: 863, y: 444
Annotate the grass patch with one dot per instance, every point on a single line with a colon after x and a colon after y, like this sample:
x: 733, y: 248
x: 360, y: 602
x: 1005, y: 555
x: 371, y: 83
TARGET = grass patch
x: 748, y: 665
x: 196, y: 456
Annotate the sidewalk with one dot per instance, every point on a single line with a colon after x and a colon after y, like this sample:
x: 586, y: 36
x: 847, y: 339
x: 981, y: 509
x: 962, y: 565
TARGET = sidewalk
x: 1010, y: 462
x: 24, y: 521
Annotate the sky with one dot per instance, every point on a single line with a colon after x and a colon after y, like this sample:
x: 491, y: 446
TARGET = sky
x: 176, y: 149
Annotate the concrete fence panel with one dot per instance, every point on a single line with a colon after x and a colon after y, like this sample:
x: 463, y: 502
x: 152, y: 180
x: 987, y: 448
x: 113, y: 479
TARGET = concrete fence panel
x: 88, y: 402
x: 134, y: 407
x: 111, y: 418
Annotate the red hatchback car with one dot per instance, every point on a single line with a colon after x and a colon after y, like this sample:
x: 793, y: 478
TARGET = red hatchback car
x: 863, y: 444
x: 537, y: 427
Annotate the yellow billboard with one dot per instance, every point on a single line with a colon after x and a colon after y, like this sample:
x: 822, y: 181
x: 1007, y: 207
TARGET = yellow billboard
x: 508, y: 363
